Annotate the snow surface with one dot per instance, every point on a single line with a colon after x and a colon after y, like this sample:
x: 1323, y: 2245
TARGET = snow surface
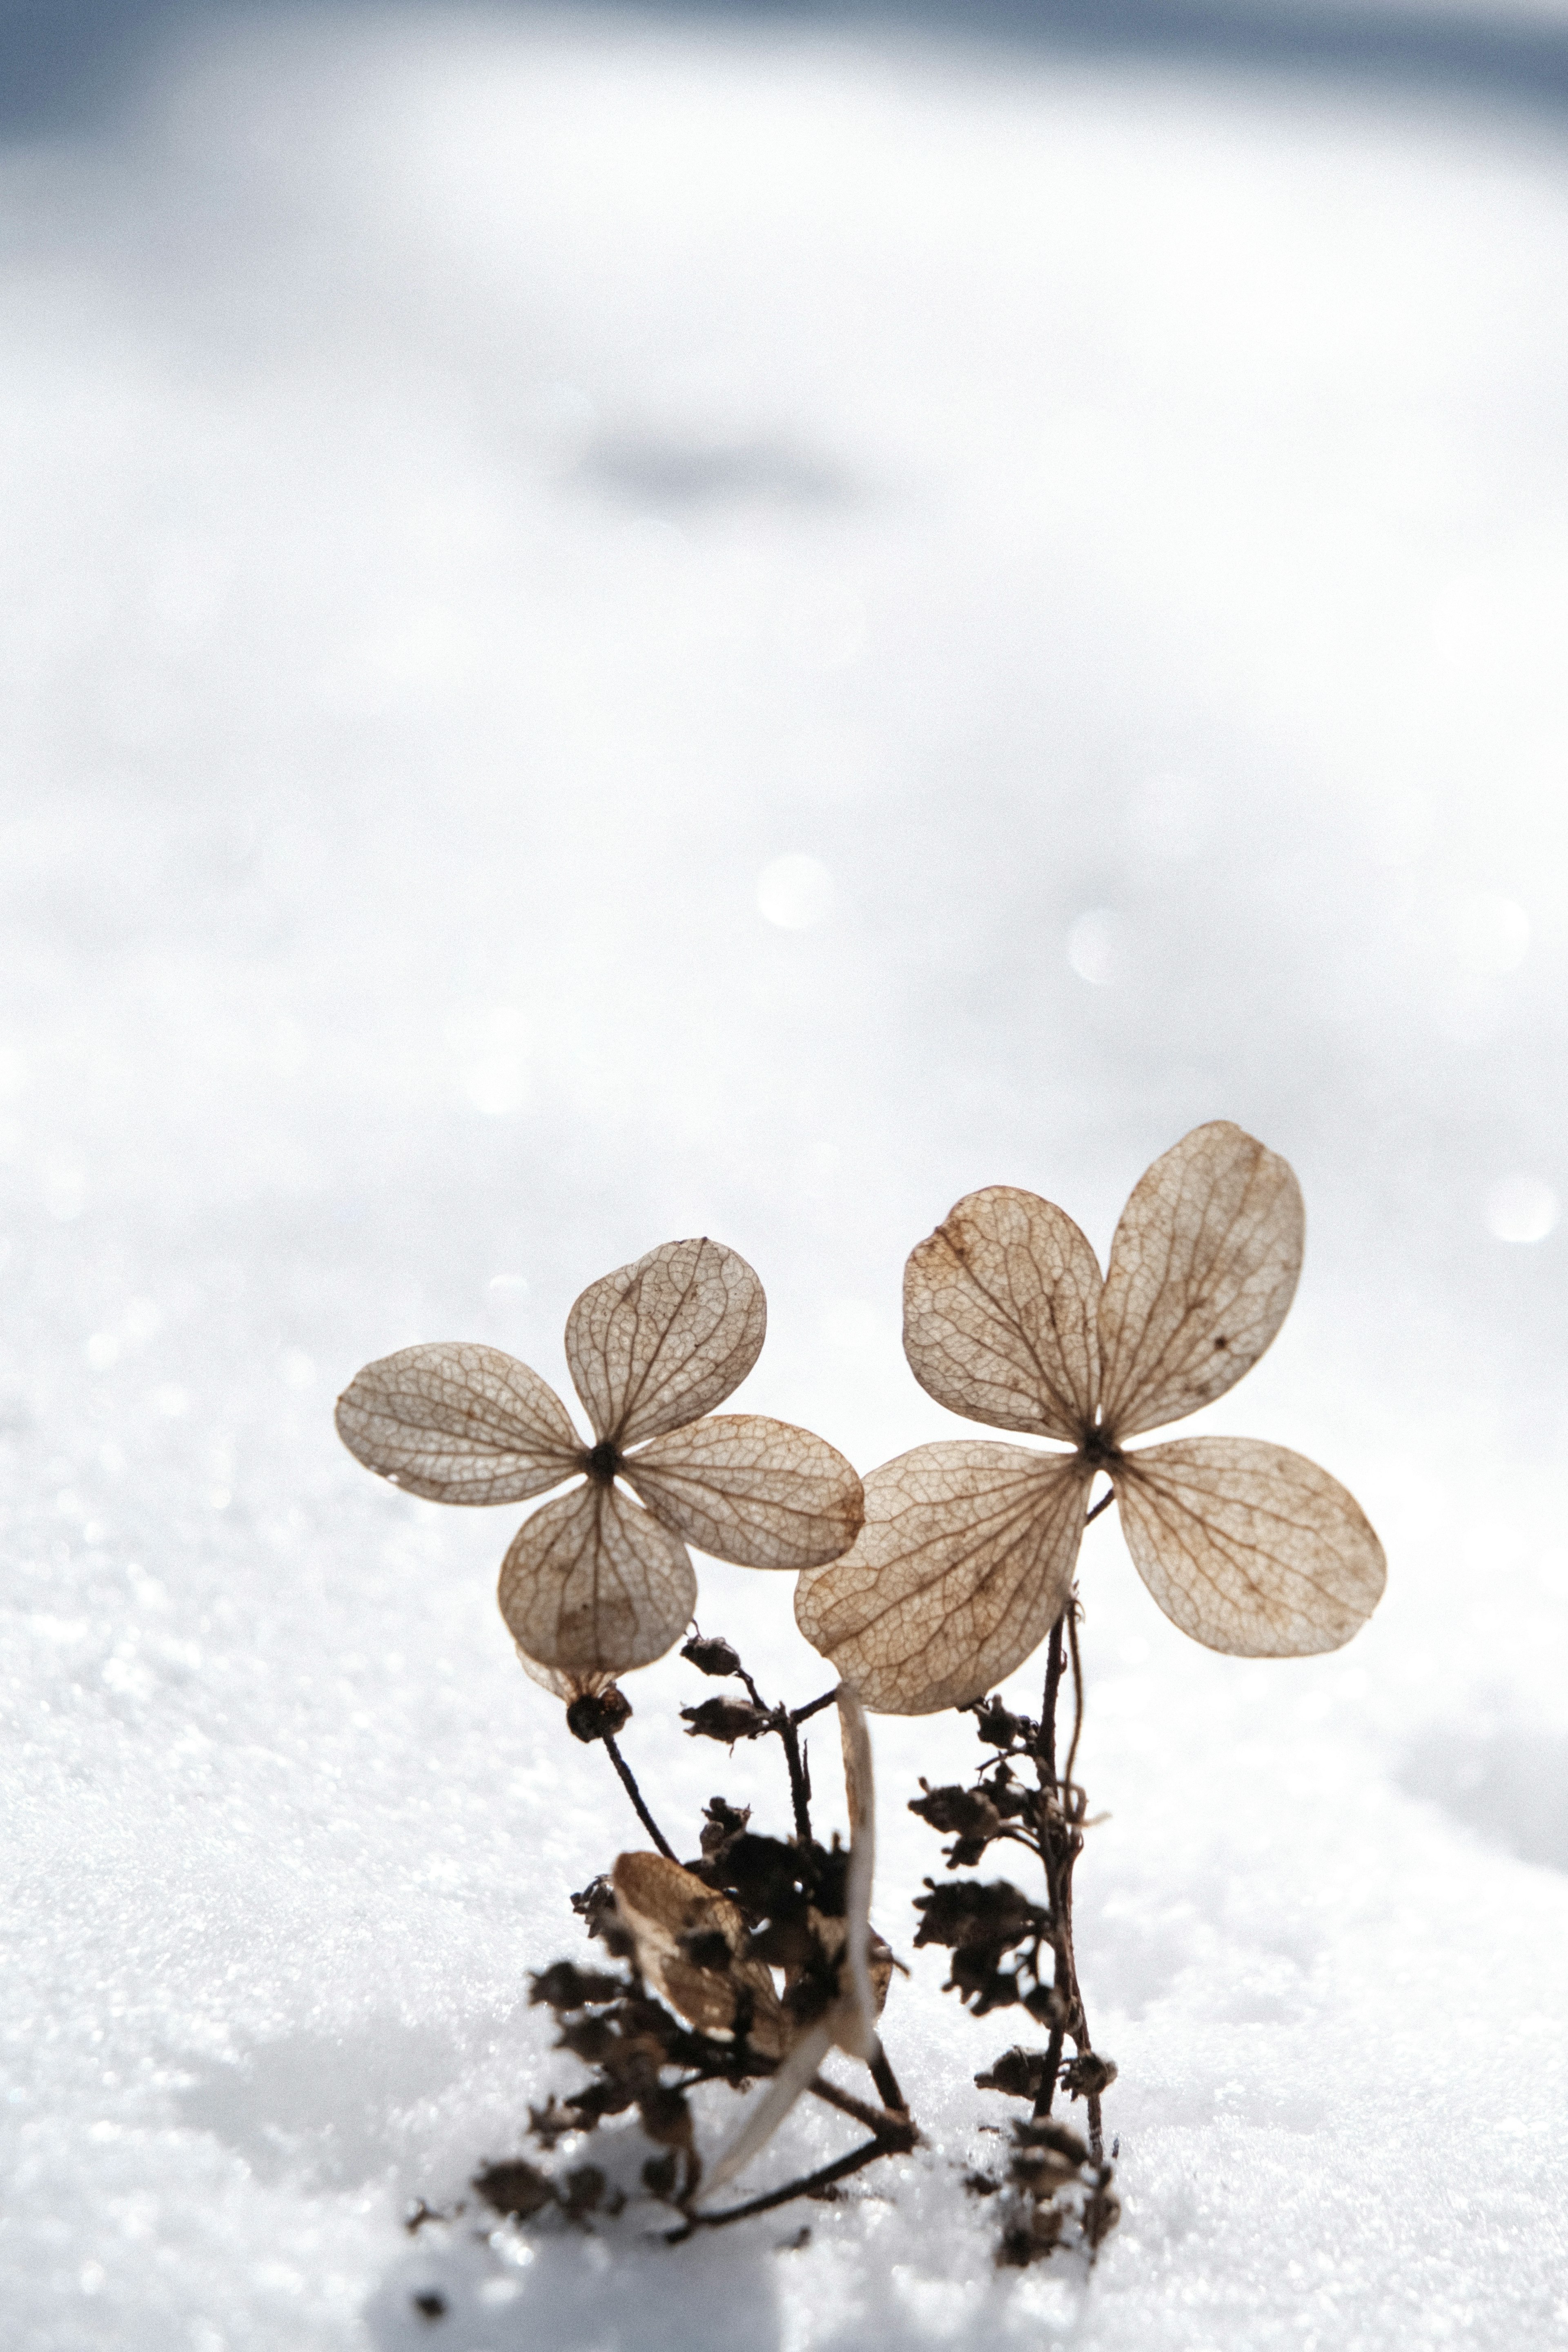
x: 482, y: 491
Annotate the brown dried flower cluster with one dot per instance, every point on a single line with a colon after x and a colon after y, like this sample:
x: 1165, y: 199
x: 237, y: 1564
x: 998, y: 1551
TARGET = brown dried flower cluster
x: 596, y: 1583
x: 967, y: 1554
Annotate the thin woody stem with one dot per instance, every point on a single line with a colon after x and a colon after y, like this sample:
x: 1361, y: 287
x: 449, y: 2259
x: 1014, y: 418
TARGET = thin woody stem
x: 887, y: 2083
x: 799, y: 1780
x: 808, y: 2186
x: 897, y: 2131
x: 1070, y: 1616
x: 803, y: 1714
x: 635, y: 1794
x: 1048, y: 1706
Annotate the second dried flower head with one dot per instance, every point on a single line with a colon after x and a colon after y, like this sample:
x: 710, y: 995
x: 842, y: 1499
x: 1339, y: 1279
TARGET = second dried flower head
x: 968, y: 1553
x: 596, y: 1581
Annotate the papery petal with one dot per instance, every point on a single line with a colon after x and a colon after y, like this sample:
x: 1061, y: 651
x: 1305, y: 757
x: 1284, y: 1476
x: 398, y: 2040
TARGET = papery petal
x: 665, y: 1906
x: 659, y: 1343
x: 745, y: 1488
x: 999, y: 1314
x: 592, y: 1584
x: 581, y: 1683
x: 771, y: 2106
x: 1202, y: 1268
x: 1250, y: 1549
x: 960, y: 1572
x: 457, y: 1422
x: 856, y: 2013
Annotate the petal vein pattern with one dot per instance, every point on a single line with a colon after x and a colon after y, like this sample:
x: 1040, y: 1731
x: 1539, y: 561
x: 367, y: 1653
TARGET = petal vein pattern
x: 457, y: 1422
x: 1000, y: 1306
x: 662, y: 1341
x: 1202, y: 1268
x: 745, y: 1488
x: 592, y: 1584
x: 1250, y: 1549
x: 961, y: 1570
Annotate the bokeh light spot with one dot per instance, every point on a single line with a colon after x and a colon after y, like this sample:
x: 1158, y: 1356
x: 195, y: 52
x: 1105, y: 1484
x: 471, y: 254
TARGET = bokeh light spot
x: 1521, y: 1209
x: 1492, y: 934
x: 1095, y: 947
x: 795, y: 893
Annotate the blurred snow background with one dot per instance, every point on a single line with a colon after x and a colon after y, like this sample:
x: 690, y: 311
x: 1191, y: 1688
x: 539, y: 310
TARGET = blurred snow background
x: 623, y: 624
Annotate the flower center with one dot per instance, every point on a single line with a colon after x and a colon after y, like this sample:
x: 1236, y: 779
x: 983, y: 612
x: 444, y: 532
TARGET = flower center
x: 603, y: 1462
x: 1098, y: 1451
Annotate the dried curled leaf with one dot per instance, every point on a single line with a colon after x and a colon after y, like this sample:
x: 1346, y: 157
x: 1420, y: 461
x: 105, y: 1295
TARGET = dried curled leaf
x: 690, y: 1944
x: 745, y: 1488
x: 660, y: 1343
x: 1202, y: 1268
x: 1250, y: 1550
x: 592, y: 1584
x: 1000, y: 1306
x: 962, y: 1566
x: 458, y: 1423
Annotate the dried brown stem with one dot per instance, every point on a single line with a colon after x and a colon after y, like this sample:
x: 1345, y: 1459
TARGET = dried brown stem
x: 811, y: 2184
x: 635, y: 1794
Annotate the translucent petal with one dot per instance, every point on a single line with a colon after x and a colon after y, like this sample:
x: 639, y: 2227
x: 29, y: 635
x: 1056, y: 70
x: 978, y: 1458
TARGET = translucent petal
x: 660, y: 1343
x: 458, y: 1423
x: 960, y: 1572
x: 566, y: 1686
x: 1249, y: 1549
x: 999, y: 1314
x: 745, y: 1488
x: 855, y: 2026
x: 771, y: 2106
x: 593, y: 1585
x: 1202, y: 1268
x: 665, y: 1906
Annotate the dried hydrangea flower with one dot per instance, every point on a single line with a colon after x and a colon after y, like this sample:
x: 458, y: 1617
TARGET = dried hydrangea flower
x: 596, y: 1583
x: 969, y: 1549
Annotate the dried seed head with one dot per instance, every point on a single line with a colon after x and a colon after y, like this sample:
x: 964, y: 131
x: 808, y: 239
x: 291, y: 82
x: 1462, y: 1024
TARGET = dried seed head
x: 711, y: 1655
x: 725, y: 1718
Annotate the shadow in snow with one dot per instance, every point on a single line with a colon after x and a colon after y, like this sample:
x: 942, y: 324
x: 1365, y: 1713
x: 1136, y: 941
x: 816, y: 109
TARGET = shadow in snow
x: 1508, y: 1784
x: 66, y: 62
x: 323, y: 2106
x: 579, y: 2293
x: 664, y: 473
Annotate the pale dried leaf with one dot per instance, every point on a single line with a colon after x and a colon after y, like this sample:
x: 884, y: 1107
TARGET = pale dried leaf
x: 665, y: 1906
x: 458, y: 1423
x: 999, y: 1314
x: 745, y: 1488
x: 772, y: 2104
x: 660, y: 1343
x: 858, y: 2010
x: 960, y: 1572
x: 592, y: 1584
x: 1250, y: 1549
x: 1202, y: 1268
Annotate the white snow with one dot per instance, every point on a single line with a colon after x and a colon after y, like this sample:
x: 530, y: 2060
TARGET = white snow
x: 620, y: 628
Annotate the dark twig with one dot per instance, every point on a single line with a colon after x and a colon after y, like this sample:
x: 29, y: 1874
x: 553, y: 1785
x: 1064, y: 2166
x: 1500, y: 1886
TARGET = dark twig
x: 803, y: 1714
x: 811, y: 2184
x: 799, y: 1783
x: 635, y: 1794
x: 887, y: 2083
x: 1104, y: 1504
x: 1070, y: 1617
x: 893, y: 2125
